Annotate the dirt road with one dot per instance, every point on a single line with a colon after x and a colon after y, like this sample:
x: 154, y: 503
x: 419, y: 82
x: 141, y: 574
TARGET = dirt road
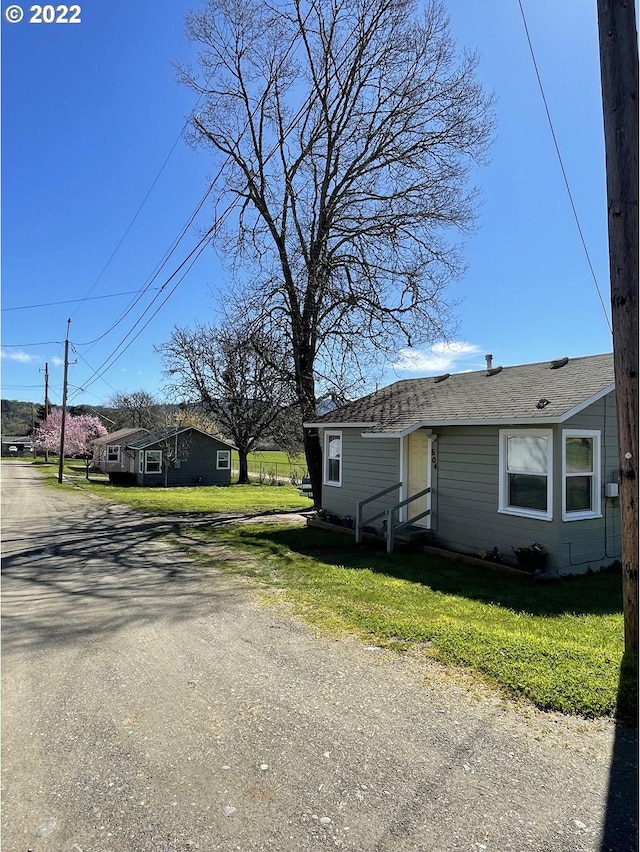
x: 152, y: 704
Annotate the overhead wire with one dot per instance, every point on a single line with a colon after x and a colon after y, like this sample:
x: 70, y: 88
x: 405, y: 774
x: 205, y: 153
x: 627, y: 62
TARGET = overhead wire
x: 69, y: 302
x: 144, y: 201
x: 147, y: 286
x: 199, y: 248
x: 110, y: 360
x: 562, y: 168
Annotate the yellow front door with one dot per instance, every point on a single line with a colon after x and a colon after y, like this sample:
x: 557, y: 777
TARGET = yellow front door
x: 418, y: 475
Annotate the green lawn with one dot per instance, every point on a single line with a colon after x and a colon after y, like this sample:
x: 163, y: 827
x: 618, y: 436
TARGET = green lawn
x: 270, y: 465
x: 234, y: 498
x: 557, y: 645
x: 270, y: 457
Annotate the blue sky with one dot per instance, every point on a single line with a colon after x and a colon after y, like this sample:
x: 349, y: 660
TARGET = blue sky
x: 91, y: 112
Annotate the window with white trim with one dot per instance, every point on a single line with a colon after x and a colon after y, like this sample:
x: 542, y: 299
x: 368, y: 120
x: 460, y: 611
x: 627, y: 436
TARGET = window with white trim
x: 333, y: 458
x: 141, y: 462
x: 526, y: 464
x: 223, y: 459
x: 113, y: 453
x: 153, y: 461
x: 581, y: 485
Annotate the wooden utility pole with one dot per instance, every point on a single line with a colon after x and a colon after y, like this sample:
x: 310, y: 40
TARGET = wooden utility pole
x: 46, y: 403
x: 64, y: 403
x: 619, y: 77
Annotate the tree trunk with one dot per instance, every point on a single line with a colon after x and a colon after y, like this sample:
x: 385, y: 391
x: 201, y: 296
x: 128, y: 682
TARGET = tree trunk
x: 243, y: 473
x: 313, y: 456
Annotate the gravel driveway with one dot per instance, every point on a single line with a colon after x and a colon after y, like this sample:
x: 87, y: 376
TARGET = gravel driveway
x: 152, y: 704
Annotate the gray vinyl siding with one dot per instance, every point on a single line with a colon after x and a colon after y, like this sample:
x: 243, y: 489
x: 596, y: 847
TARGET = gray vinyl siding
x: 465, y: 483
x: 198, y: 460
x: 369, y: 465
x: 466, y: 516
x: 594, y: 542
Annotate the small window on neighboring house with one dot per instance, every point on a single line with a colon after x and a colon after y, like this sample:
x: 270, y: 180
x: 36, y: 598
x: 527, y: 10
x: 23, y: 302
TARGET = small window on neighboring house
x: 223, y: 459
x: 526, y: 473
x: 141, y: 462
x: 153, y: 461
x: 333, y: 458
x: 113, y: 453
x: 580, y: 475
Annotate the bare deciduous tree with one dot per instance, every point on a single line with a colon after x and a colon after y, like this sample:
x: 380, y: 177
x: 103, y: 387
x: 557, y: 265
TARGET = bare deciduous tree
x: 347, y: 130
x: 135, y: 409
x: 240, y: 377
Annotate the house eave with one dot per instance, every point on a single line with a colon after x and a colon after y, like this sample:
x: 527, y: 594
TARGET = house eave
x: 587, y: 402
x: 336, y: 424
x: 490, y: 421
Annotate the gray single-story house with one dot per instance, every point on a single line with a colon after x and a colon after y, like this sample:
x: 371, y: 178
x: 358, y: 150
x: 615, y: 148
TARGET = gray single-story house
x: 188, y: 455
x: 485, y: 462
x: 109, y: 451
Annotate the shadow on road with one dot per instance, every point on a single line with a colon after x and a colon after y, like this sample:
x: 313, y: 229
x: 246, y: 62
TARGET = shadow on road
x: 101, y: 570
x: 620, y: 831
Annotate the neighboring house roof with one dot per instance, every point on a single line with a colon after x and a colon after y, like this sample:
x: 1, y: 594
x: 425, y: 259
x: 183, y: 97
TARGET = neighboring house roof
x: 542, y: 393
x: 158, y: 435
x: 118, y: 437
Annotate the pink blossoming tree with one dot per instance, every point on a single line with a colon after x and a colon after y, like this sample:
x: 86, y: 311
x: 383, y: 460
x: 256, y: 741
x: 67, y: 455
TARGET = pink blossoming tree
x: 79, y: 434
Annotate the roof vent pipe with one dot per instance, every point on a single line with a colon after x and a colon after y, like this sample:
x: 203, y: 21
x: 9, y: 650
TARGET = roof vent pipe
x: 489, y: 360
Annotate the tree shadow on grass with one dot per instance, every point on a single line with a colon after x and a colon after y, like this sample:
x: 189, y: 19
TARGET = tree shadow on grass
x: 591, y: 594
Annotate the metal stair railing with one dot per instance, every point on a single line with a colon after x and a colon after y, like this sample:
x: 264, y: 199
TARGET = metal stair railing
x: 392, y: 528
x: 359, y: 522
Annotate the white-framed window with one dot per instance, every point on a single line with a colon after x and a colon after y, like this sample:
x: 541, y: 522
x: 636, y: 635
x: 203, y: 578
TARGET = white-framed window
x: 333, y: 458
x: 223, y: 459
x: 113, y: 453
x: 526, y: 468
x: 153, y: 461
x: 141, y: 462
x: 581, y: 486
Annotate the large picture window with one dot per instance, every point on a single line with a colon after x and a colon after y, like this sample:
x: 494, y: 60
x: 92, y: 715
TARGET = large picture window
x: 526, y: 473
x: 580, y: 475
x: 153, y: 461
x: 333, y: 458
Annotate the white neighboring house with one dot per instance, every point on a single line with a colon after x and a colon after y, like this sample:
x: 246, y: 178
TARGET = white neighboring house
x: 110, y: 454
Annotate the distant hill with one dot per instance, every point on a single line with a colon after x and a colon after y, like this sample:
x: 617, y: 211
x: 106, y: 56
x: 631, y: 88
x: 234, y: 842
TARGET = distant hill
x: 17, y: 417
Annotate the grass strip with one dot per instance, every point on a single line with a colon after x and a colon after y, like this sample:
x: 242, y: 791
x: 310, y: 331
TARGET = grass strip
x: 558, y: 645
x: 184, y: 499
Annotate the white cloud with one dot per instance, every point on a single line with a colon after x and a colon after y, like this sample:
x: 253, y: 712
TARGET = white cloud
x: 57, y: 362
x: 18, y: 355
x: 440, y: 358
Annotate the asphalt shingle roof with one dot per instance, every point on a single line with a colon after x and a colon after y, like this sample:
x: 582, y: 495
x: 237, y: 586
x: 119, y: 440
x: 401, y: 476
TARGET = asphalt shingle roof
x: 157, y: 435
x: 117, y: 437
x: 512, y: 394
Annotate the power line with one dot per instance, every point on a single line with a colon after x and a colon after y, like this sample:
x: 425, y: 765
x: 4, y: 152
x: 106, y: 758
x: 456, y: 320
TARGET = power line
x: 144, y: 201
x: 69, y: 301
x: 199, y: 248
x: 24, y: 345
x: 147, y: 286
x: 562, y: 168
x: 113, y: 357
